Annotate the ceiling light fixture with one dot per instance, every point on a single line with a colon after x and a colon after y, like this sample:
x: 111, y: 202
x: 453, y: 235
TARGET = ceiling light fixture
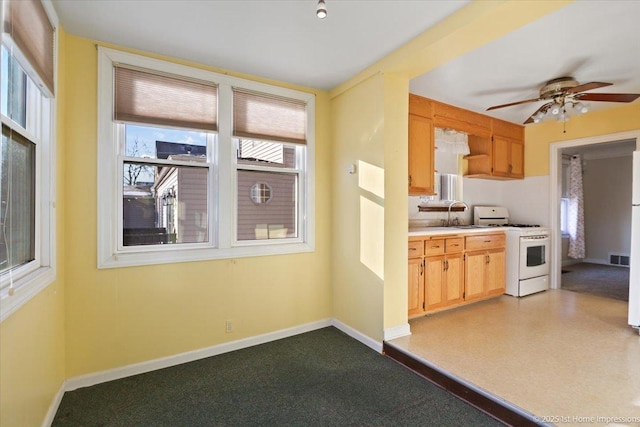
x: 562, y: 109
x: 321, y: 10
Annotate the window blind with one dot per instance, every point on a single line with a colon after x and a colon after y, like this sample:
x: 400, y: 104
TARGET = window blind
x: 27, y: 23
x: 145, y: 97
x: 267, y: 117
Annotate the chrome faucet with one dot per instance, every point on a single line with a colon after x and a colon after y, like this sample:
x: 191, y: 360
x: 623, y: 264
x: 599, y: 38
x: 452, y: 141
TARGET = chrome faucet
x: 455, y: 202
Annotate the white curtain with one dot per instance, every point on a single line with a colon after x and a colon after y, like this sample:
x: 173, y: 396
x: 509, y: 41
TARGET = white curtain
x: 451, y: 141
x: 576, y: 209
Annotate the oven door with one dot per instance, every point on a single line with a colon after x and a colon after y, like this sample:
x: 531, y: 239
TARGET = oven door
x: 534, y: 256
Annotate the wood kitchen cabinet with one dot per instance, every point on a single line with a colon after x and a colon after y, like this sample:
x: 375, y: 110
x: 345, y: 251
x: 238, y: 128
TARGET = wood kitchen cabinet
x: 508, y: 157
x: 416, y: 278
x: 444, y: 273
x: 496, y: 146
x: 421, y: 155
x: 485, y: 267
x: 496, y: 157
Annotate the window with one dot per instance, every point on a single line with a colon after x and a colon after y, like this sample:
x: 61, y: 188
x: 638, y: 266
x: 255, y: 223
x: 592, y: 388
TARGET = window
x: 564, y: 199
x: 27, y: 172
x: 196, y: 165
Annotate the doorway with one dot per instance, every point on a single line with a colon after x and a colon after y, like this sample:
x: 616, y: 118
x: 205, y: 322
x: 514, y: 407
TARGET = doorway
x: 615, y: 145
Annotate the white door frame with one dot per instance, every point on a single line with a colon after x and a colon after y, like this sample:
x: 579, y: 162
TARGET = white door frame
x: 555, y: 184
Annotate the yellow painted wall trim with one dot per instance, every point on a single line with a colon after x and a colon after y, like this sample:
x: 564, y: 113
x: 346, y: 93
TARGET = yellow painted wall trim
x: 474, y: 25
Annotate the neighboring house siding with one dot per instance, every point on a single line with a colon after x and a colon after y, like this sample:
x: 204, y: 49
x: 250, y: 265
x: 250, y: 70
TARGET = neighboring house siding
x: 281, y: 210
x: 192, y: 205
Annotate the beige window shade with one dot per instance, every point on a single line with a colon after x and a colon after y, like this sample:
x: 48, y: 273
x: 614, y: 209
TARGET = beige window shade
x: 28, y: 25
x: 146, y: 97
x: 267, y: 117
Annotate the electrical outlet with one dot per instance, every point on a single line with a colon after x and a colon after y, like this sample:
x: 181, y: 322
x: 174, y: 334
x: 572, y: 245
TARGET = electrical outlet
x: 228, y: 326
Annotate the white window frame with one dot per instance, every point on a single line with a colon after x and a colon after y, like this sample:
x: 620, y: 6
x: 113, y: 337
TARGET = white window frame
x: 21, y: 284
x: 222, y: 182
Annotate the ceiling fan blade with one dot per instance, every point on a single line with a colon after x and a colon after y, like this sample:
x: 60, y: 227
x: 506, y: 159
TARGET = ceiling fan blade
x: 495, y: 107
x: 530, y: 119
x: 608, y: 97
x: 587, y: 86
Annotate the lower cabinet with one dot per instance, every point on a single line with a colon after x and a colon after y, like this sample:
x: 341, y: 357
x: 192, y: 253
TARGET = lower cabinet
x: 444, y: 281
x: 484, y: 274
x: 416, y: 286
x: 444, y: 273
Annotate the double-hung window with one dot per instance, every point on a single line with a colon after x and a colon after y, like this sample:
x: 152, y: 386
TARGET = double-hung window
x: 195, y: 165
x: 27, y: 178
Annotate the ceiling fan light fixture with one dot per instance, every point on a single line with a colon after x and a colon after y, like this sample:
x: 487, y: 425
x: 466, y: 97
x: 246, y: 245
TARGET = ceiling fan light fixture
x: 580, y: 108
x: 555, y: 109
x: 321, y: 10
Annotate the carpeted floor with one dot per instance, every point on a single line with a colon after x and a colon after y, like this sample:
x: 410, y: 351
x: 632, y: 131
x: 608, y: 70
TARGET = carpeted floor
x: 596, y: 279
x: 320, y: 378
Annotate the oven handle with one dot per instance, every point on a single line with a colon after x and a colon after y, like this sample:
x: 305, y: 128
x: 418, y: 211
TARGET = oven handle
x: 537, y: 239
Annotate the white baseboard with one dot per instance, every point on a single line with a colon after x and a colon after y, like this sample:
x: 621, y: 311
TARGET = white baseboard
x: 566, y: 262
x: 368, y: 341
x: 53, y: 407
x: 190, y: 356
x: 397, y: 332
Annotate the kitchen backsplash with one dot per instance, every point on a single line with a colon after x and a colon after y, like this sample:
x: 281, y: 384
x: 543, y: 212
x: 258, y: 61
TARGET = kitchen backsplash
x: 527, y: 200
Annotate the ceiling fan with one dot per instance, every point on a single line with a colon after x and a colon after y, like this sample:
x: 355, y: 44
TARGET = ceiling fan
x: 566, y: 93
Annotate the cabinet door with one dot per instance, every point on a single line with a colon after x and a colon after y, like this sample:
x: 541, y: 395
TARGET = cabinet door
x: 454, y: 279
x: 416, y: 286
x: 434, y: 267
x: 474, y: 275
x: 517, y: 160
x: 421, y: 169
x: 496, y: 272
x: 501, y: 157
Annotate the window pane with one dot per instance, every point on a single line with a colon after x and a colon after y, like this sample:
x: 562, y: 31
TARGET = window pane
x: 266, y: 153
x: 274, y: 217
x: 164, y: 143
x: 564, y: 215
x: 17, y: 198
x: 14, y: 89
x: 171, y: 208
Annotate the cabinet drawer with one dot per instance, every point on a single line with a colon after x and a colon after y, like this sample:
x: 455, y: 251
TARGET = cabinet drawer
x: 434, y: 247
x: 454, y: 245
x: 416, y: 249
x: 490, y: 241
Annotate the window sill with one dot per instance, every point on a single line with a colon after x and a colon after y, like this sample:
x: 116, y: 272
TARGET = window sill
x: 26, y: 288
x: 132, y: 259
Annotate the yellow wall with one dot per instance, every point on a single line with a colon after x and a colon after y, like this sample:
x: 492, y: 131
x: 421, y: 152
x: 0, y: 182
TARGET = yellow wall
x: 358, y: 201
x: 538, y: 137
x: 32, y: 340
x: 357, y: 274
x: 369, y: 119
x: 117, y: 317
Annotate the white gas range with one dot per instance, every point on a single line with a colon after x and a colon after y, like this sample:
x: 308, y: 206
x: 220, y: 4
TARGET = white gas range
x: 527, y: 255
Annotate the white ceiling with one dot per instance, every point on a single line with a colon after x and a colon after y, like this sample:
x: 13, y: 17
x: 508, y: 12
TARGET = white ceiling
x: 589, y: 40
x: 275, y: 39
x: 283, y: 40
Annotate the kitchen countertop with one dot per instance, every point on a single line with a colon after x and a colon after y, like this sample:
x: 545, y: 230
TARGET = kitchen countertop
x: 464, y: 229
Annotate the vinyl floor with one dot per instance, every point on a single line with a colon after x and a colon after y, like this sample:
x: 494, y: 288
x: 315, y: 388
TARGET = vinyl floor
x: 567, y: 357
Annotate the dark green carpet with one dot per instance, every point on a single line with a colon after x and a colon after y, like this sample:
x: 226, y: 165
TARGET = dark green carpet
x: 320, y: 378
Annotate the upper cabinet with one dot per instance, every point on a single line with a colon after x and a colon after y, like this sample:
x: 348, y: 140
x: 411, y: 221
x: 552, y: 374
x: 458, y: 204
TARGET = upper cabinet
x: 508, y: 149
x: 496, y: 146
x: 421, y: 149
